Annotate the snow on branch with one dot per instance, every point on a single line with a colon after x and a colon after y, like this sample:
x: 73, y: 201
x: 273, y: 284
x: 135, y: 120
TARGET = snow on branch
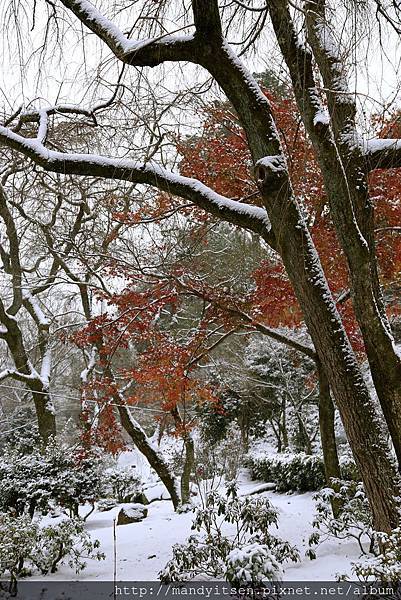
x: 14, y: 374
x: 238, y: 213
x: 383, y: 153
x: 45, y: 370
x: 341, y: 102
x: 156, y: 50
x: 328, y: 46
x: 91, y: 363
x: 38, y: 313
x: 42, y: 115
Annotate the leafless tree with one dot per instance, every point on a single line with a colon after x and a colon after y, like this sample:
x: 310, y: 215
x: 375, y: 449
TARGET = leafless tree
x: 317, y: 66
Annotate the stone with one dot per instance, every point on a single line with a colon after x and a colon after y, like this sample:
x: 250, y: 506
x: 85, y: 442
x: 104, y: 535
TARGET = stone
x: 137, y: 498
x: 132, y: 513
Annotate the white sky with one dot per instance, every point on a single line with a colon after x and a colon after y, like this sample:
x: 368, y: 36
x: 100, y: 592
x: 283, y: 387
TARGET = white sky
x: 61, y: 74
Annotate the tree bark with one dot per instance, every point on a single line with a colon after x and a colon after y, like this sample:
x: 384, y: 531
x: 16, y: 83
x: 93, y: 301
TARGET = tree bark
x: 188, y: 467
x: 327, y: 430
x: 154, y: 457
x: 284, y: 429
x: 45, y: 416
x: 380, y: 477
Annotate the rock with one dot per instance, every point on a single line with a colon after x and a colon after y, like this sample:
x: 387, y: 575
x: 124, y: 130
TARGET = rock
x: 137, y: 498
x: 132, y: 513
x: 258, y: 489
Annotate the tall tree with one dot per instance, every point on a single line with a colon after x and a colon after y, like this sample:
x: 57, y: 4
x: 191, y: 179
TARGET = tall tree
x: 344, y: 164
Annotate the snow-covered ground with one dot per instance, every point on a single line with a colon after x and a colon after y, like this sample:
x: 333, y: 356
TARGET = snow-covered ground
x: 142, y: 549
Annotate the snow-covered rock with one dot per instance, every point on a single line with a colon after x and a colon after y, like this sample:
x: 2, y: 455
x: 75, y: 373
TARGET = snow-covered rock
x: 132, y: 513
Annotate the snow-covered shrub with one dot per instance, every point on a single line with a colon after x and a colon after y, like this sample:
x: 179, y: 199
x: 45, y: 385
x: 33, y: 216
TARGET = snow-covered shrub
x: 26, y: 545
x: 233, y: 533
x: 77, y: 478
x: 44, y: 477
x: 349, y: 470
x: 300, y: 472
x: 121, y: 483
x: 386, y: 565
x: 20, y: 430
x: 18, y: 537
x: 65, y: 542
x: 251, y: 564
x: 353, y: 521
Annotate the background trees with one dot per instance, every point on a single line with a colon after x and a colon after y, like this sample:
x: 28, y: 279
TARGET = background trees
x: 277, y: 204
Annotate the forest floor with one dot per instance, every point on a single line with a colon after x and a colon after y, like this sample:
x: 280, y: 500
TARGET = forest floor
x: 143, y: 549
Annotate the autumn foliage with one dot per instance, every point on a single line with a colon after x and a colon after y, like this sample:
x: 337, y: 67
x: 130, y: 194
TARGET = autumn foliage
x: 138, y: 326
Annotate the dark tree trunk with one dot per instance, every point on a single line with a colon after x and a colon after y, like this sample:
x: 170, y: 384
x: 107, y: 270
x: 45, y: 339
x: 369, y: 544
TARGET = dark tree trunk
x: 304, y: 439
x: 284, y: 430
x: 154, y: 457
x: 188, y: 467
x: 327, y: 430
x: 45, y: 416
x: 366, y: 439
x: 332, y: 467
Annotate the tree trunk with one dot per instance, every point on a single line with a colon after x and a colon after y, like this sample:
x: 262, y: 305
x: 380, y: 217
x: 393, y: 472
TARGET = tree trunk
x: 327, y: 431
x: 45, y: 416
x: 332, y: 467
x: 284, y: 429
x: 304, y: 439
x: 344, y: 170
x: 380, y: 477
x: 188, y: 467
x: 156, y: 460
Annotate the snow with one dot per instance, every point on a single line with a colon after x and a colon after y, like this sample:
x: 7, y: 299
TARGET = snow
x: 39, y: 314
x: 46, y: 368
x: 149, y: 174
x: 274, y: 164
x: 43, y: 123
x: 380, y: 145
x: 322, y: 117
x: 250, y: 80
x: 144, y: 548
x: 90, y: 366
x: 112, y: 34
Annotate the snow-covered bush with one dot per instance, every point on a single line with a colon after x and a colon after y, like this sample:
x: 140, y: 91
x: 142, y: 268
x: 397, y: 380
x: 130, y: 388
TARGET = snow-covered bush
x: 251, y: 564
x: 233, y: 537
x: 42, y: 478
x: 121, y: 483
x: 349, y: 470
x: 386, y: 565
x: 66, y: 541
x: 26, y: 545
x: 354, y: 519
x: 18, y: 537
x: 297, y: 472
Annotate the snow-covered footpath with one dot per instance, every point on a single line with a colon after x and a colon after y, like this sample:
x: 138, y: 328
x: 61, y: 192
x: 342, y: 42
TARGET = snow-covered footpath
x: 142, y: 549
